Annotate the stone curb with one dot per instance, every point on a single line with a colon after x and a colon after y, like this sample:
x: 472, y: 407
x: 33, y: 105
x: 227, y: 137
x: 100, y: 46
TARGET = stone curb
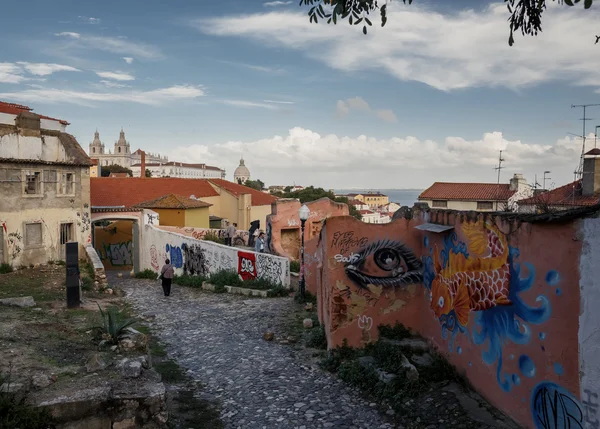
x: 236, y: 290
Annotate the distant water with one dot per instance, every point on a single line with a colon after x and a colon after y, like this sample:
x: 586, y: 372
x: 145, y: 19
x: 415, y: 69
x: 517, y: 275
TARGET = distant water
x: 404, y: 197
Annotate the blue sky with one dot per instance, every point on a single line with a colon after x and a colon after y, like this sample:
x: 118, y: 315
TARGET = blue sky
x: 434, y: 95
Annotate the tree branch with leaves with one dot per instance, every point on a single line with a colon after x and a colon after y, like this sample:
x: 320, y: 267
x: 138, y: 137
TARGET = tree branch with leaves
x: 525, y: 15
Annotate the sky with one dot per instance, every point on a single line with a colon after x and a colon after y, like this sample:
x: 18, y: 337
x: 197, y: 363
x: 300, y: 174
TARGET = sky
x: 432, y: 96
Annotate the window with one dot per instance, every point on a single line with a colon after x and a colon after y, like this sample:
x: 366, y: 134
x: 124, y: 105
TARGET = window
x: 119, y: 150
x: 33, y: 183
x: 485, y: 205
x: 440, y: 204
x: 33, y: 234
x: 94, y: 150
x: 66, y: 233
x: 67, y: 184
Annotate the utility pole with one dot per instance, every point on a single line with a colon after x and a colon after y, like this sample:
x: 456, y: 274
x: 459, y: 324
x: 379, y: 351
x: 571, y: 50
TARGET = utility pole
x: 499, y: 168
x: 579, y: 171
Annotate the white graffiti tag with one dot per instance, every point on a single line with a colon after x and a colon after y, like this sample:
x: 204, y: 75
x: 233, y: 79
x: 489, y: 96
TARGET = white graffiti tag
x: 247, y: 266
x: 343, y: 259
x: 365, y: 322
x: 292, y: 222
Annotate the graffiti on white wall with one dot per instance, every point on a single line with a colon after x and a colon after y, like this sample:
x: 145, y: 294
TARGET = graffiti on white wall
x: 119, y: 254
x: 201, y: 257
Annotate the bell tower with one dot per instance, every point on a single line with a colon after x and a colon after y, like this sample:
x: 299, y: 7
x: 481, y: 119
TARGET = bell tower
x: 96, y: 146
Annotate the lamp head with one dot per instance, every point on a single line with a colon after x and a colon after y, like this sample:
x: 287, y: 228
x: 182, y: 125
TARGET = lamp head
x: 304, y: 212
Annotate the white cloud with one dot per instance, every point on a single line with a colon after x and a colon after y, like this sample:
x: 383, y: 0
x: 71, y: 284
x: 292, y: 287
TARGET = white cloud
x: 343, y: 108
x: 116, y: 76
x: 90, y: 20
x: 154, y: 97
x: 254, y: 67
x: 115, y: 45
x: 128, y: 60
x: 17, y: 72
x: 112, y: 84
x: 68, y: 34
x: 276, y: 3
x: 415, y: 45
x: 400, y: 162
x: 279, y: 102
x: 43, y: 69
x: 249, y: 104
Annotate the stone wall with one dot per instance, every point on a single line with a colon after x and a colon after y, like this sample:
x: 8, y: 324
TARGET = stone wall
x: 497, y: 294
x: 200, y: 257
x: 100, y: 281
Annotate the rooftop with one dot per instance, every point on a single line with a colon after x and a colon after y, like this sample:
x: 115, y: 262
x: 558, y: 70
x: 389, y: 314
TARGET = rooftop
x: 259, y: 198
x: 174, y: 201
x: 567, y: 195
x: 467, y: 192
x: 131, y: 191
x: 16, y: 109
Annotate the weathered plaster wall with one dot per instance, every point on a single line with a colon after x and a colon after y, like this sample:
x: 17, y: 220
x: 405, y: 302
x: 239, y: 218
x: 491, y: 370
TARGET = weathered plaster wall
x: 499, y: 297
x: 192, y: 256
x: 589, y: 322
x: 197, y: 218
x: 241, y: 237
x: 284, y: 229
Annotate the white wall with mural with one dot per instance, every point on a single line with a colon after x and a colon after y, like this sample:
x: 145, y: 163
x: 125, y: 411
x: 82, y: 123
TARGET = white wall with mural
x: 200, y: 257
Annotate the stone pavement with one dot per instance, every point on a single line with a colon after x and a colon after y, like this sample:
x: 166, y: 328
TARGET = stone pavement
x: 259, y: 384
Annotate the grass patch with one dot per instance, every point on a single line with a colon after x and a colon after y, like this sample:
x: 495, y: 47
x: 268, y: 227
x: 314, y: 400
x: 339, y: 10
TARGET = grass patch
x: 170, y: 371
x: 317, y: 338
x: 308, y: 298
x: 16, y: 413
x: 6, y: 268
x: 146, y: 274
x: 214, y: 237
x: 41, y: 285
x: 396, y: 332
x: 295, y: 266
x: 87, y: 284
x: 225, y: 278
x: 278, y: 291
x: 189, y: 281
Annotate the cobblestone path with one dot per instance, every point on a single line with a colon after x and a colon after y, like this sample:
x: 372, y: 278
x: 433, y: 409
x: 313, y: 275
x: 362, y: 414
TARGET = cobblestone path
x: 218, y: 339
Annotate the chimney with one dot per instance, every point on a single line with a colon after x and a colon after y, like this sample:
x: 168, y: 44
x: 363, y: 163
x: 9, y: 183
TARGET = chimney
x: 143, y: 166
x: 591, y: 173
x: 518, y: 183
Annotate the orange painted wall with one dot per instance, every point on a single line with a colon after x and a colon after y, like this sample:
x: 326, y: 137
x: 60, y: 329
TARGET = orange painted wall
x: 284, y: 218
x: 530, y: 340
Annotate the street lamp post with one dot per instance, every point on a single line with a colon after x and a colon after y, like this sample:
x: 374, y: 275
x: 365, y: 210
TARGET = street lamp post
x: 303, y: 213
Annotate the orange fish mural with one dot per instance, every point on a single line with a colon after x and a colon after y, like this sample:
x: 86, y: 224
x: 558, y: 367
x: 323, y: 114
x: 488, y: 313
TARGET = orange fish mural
x: 476, y: 283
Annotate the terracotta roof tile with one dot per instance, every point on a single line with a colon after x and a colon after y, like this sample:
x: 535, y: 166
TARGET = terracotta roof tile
x: 15, y: 109
x: 258, y: 198
x: 467, y: 192
x: 173, y: 201
x: 131, y: 191
x: 567, y: 195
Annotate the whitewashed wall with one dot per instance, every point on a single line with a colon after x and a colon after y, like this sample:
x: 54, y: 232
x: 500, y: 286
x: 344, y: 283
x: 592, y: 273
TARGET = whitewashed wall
x: 194, y: 256
x: 589, y: 320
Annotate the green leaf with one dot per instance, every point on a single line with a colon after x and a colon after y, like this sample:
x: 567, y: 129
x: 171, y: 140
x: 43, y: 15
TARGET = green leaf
x: 569, y: 3
x: 587, y: 4
x: 368, y: 21
x: 350, y: 20
x: 364, y: 29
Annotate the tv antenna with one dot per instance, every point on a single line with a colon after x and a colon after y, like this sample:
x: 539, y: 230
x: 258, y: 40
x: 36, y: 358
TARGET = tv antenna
x: 579, y: 172
x: 500, y: 160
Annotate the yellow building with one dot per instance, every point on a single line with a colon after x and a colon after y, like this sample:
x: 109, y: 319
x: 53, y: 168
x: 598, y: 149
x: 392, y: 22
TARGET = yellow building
x: 176, y: 210
x: 372, y: 199
x: 94, y: 169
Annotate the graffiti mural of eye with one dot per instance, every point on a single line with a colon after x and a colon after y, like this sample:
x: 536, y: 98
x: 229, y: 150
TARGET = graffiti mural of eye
x: 386, y: 263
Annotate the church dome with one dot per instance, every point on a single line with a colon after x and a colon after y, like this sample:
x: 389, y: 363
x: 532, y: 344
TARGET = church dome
x: 241, y: 172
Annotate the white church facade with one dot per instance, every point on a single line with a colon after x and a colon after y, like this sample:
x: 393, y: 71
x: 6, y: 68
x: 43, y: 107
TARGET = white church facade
x: 121, y: 155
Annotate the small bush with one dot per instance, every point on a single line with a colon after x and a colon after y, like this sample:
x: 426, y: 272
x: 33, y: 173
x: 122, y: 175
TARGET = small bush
x: 339, y: 355
x: 295, y: 266
x: 308, y: 298
x: 214, y: 237
x: 317, y: 338
x: 278, y: 291
x: 16, y: 413
x: 89, y: 270
x: 6, y: 268
x: 354, y: 373
x: 220, y: 289
x: 225, y: 278
x: 113, y: 324
x: 146, y: 274
x: 87, y: 284
x: 397, y: 332
x: 189, y: 281
x: 260, y: 283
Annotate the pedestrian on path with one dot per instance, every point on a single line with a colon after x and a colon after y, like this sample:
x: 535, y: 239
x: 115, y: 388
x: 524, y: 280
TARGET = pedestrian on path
x: 260, y: 243
x: 166, y: 275
x: 230, y: 233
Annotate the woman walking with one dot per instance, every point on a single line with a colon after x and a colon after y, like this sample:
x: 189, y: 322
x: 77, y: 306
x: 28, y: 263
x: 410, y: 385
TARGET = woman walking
x: 166, y: 275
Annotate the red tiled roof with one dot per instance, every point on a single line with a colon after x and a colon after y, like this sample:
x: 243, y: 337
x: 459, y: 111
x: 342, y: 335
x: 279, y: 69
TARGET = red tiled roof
x: 129, y: 191
x: 594, y: 151
x: 174, y: 201
x: 94, y: 161
x: 467, y: 192
x: 258, y: 198
x: 567, y: 195
x: 15, y: 109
